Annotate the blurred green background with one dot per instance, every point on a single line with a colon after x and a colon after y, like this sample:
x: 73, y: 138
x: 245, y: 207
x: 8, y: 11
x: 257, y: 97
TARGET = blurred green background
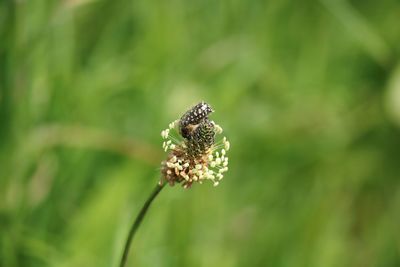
x: 308, y: 93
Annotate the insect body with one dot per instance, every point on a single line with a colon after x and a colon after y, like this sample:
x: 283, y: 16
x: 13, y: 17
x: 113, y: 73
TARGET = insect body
x: 191, y: 120
x: 204, y: 135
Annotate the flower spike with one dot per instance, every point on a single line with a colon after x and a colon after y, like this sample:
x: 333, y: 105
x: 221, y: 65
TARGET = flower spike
x: 193, y: 156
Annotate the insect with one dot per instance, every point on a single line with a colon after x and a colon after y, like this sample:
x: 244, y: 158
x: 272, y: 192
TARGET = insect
x: 204, y: 135
x: 193, y: 118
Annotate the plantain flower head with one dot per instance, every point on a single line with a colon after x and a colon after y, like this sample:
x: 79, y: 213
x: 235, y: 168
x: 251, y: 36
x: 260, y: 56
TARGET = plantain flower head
x: 193, y: 153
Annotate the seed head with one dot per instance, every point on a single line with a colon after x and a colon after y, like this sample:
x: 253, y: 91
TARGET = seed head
x: 193, y: 155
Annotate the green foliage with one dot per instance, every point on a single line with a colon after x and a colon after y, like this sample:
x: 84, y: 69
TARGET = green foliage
x: 306, y: 91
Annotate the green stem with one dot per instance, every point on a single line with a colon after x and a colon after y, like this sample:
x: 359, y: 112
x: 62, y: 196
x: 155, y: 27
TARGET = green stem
x: 136, y: 223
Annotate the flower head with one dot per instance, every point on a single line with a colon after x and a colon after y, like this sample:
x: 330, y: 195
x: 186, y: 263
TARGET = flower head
x: 194, y: 156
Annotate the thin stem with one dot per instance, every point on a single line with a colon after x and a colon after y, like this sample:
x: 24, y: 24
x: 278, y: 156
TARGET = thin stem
x: 138, y: 220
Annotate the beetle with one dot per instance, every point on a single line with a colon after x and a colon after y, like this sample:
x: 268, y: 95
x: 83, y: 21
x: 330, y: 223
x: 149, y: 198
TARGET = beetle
x: 192, y: 118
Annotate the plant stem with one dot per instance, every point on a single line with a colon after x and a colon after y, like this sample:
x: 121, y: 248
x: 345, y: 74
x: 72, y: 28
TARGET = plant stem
x: 138, y: 220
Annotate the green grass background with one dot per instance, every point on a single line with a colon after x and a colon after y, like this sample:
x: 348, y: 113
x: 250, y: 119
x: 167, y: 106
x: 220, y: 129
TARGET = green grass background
x: 308, y: 93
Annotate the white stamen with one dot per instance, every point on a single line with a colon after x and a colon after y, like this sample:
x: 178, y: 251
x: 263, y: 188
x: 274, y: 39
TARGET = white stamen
x: 218, y: 129
x: 227, y: 145
x: 172, y: 124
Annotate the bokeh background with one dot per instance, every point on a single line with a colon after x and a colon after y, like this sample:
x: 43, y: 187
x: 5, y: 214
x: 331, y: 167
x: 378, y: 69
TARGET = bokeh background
x: 308, y: 93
